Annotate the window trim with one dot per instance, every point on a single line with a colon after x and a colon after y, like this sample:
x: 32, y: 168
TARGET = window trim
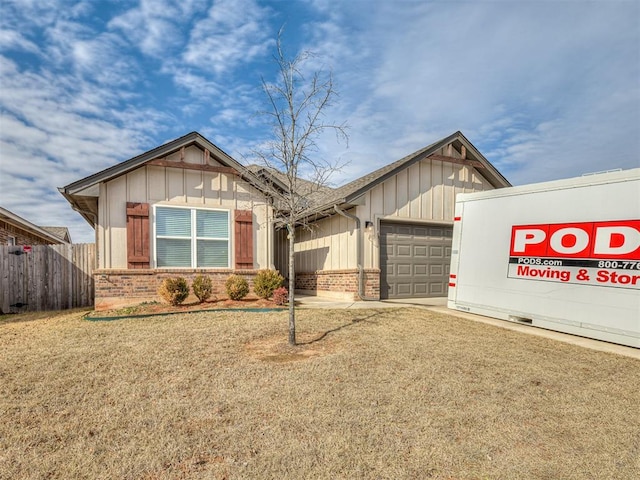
x: 11, y: 241
x: 193, y: 238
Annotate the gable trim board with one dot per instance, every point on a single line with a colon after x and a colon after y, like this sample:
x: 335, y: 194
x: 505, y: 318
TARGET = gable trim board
x: 339, y: 255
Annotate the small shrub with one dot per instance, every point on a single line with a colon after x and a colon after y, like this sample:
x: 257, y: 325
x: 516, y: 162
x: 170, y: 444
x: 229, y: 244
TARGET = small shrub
x: 237, y: 287
x: 174, y: 290
x: 202, y: 287
x: 266, y: 282
x: 280, y: 296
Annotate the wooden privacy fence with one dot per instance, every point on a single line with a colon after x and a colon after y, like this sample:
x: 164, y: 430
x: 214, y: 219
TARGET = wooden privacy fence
x: 46, y: 277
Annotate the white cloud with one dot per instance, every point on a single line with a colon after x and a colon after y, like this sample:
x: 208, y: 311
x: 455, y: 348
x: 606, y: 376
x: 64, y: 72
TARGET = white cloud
x: 10, y: 39
x: 195, y: 83
x: 56, y: 129
x: 524, y: 81
x: 155, y: 26
x: 234, y: 32
x: 96, y: 57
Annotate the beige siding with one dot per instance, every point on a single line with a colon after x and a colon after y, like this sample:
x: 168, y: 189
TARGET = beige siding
x: 328, y: 245
x: 424, y: 191
x: 181, y: 187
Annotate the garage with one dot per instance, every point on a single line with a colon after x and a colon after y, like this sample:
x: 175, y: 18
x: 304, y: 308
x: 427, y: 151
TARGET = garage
x: 414, y: 260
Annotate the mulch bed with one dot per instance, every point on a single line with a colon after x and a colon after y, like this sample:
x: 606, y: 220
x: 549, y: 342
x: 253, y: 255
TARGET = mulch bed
x: 159, y: 308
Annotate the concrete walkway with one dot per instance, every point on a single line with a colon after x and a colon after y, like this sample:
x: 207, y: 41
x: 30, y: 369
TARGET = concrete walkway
x: 310, y: 301
x: 440, y: 305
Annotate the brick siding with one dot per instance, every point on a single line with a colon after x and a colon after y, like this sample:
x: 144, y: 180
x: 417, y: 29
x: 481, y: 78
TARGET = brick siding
x: 121, y: 288
x: 22, y: 237
x: 339, y: 282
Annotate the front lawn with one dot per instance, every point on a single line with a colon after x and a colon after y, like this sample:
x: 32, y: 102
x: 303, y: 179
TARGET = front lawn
x: 394, y: 393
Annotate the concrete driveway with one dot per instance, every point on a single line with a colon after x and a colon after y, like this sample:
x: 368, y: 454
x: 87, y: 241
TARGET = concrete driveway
x: 310, y: 301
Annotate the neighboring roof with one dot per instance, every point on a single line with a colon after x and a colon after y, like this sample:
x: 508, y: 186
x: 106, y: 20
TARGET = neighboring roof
x: 278, y: 179
x: 41, y: 232
x: 83, y: 193
x: 350, y: 192
x: 60, y: 232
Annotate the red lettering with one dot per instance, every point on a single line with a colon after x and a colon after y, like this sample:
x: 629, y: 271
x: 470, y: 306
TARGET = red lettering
x: 618, y: 239
x: 527, y: 271
x: 605, y: 276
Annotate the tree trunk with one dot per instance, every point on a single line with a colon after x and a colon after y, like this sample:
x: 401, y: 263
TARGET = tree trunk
x: 292, y: 286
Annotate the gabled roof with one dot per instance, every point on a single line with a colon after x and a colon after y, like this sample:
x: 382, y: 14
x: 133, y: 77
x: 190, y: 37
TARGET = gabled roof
x: 349, y: 193
x: 83, y: 193
x: 40, y: 232
x: 193, y: 138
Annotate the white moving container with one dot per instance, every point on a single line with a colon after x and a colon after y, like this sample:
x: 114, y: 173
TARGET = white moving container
x: 562, y: 255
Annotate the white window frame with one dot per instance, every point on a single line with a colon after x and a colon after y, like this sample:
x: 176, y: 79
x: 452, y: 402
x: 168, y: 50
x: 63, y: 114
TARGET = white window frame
x: 11, y: 240
x: 193, y: 238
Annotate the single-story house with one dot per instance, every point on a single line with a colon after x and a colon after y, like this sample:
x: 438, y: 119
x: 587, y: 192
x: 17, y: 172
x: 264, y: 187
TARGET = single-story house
x: 15, y: 230
x: 186, y: 207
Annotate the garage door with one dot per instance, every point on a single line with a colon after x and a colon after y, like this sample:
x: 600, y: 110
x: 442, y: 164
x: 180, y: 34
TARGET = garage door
x: 414, y: 260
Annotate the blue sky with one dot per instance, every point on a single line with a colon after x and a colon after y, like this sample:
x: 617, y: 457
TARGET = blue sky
x: 544, y: 89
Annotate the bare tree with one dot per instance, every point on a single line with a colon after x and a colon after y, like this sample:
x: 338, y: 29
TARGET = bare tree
x: 297, y: 108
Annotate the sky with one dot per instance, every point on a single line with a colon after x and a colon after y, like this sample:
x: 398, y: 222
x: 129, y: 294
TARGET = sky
x: 544, y: 89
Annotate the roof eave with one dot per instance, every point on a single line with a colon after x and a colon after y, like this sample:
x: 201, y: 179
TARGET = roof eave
x: 493, y: 176
x: 75, y: 189
x: 89, y: 216
x: 29, y: 227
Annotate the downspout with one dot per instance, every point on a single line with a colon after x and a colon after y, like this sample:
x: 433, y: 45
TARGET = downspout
x: 359, y: 250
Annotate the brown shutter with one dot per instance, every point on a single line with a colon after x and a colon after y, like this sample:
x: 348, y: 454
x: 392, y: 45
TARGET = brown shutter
x: 243, y: 220
x: 138, y: 235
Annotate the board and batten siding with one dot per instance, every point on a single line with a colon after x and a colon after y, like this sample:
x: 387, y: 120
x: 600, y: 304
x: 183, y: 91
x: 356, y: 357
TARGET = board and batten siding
x: 423, y: 192
x: 330, y: 235
x: 158, y: 185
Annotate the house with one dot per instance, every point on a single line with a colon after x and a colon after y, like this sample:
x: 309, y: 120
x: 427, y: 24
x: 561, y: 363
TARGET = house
x: 15, y: 230
x: 183, y: 208
x: 186, y: 207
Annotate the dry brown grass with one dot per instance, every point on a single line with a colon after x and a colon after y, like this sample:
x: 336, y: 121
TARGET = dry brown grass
x: 371, y: 394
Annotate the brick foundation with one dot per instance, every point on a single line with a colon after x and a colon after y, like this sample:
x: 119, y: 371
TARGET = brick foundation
x: 121, y: 288
x: 339, y: 283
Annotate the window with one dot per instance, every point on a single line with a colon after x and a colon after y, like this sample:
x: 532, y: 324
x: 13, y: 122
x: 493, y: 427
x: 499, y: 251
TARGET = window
x: 11, y: 241
x: 189, y: 237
